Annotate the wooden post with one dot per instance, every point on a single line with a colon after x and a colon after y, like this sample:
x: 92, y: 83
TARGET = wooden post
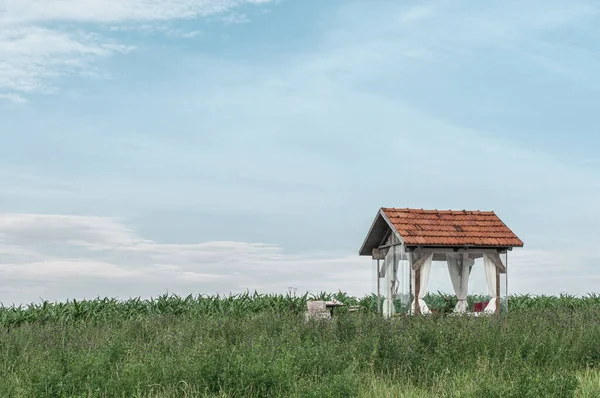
x: 497, y: 291
x: 506, y: 279
x: 411, y: 288
x: 417, y: 290
x: 378, y: 288
x: 393, y: 279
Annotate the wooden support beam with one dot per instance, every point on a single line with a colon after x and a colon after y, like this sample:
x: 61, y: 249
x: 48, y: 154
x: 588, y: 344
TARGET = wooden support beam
x: 419, y: 260
x: 470, y: 250
x: 417, y: 290
x: 378, y: 288
x: 391, y: 287
x: 442, y: 256
x: 497, y: 291
x: 411, y: 287
x: 386, y: 237
x: 498, y: 262
x: 379, y: 254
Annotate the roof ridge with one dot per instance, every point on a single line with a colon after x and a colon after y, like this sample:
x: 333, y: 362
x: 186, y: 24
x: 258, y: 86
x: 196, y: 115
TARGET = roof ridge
x: 449, y: 211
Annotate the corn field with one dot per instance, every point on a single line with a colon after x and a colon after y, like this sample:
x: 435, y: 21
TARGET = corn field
x: 243, y: 304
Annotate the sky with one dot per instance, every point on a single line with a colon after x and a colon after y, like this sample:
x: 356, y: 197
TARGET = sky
x: 217, y: 146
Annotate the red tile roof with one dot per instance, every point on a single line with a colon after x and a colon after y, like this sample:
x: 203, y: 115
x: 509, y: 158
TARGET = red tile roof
x: 451, y: 228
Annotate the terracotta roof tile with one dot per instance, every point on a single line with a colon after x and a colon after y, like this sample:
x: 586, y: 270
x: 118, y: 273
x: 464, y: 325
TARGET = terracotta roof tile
x: 451, y: 228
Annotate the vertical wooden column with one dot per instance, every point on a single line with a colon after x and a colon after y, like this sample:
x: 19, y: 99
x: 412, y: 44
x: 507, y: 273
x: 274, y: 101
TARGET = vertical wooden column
x: 417, y: 288
x: 506, y: 280
x: 411, y: 286
x: 378, y: 287
x: 393, y: 279
x: 497, y: 291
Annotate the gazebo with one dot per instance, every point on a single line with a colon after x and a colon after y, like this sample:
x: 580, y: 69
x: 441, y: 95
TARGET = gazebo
x: 403, y: 243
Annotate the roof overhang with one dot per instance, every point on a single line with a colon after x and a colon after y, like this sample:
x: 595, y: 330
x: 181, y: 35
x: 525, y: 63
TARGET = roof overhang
x: 378, y: 233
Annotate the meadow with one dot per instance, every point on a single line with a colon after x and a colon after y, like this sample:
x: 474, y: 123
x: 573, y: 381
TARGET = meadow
x: 254, y: 345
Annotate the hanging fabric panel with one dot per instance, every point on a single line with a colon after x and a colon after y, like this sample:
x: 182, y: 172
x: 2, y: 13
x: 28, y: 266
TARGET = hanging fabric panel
x: 459, y: 268
x: 424, y: 283
x: 490, y: 276
x: 392, y: 259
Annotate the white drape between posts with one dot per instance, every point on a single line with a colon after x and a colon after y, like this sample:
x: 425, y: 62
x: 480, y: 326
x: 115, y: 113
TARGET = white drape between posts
x: 490, y: 276
x: 423, y: 284
x: 459, y: 267
x: 390, y: 274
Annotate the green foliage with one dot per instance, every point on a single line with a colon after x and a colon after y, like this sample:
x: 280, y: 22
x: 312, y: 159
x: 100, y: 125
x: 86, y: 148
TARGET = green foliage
x: 260, y: 346
x: 105, y: 309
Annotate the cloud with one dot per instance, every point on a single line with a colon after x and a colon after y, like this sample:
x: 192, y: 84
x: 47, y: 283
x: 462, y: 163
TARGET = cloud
x: 33, y: 55
x: 59, y: 256
x: 156, y: 28
x: 235, y: 18
x: 116, y: 11
x: 177, y: 33
x: 56, y: 257
x: 17, y: 99
x: 431, y: 32
x: 456, y: 35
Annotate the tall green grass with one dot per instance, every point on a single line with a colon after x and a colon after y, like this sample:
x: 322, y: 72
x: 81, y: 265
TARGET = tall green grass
x: 547, y: 353
x: 261, y: 346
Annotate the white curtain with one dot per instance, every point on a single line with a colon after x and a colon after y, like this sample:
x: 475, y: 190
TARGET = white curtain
x: 424, y: 282
x: 490, y: 276
x: 390, y: 268
x: 459, y: 267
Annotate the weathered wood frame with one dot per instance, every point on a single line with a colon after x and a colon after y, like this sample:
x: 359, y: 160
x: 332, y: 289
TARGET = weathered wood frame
x: 415, y: 267
x: 390, y: 241
x: 418, y: 255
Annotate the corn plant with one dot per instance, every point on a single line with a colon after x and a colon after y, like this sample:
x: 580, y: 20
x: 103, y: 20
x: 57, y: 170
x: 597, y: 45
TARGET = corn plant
x: 236, y: 305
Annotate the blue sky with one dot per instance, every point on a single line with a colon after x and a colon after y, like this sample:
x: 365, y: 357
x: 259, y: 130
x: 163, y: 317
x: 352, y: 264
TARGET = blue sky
x: 212, y: 146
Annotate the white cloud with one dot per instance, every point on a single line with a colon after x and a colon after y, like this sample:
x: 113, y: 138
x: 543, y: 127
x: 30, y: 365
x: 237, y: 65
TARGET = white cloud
x: 425, y: 32
x: 56, y: 257
x: 59, y: 256
x: 177, y: 33
x: 393, y: 38
x: 115, y: 11
x: 156, y: 28
x: 235, y: 18
x: 33, y: 55
x: 17, y: 99
x: 45, y: 270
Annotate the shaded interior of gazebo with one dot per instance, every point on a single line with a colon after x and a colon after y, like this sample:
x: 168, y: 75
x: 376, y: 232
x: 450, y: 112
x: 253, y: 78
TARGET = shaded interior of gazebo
x: 403, y: 243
